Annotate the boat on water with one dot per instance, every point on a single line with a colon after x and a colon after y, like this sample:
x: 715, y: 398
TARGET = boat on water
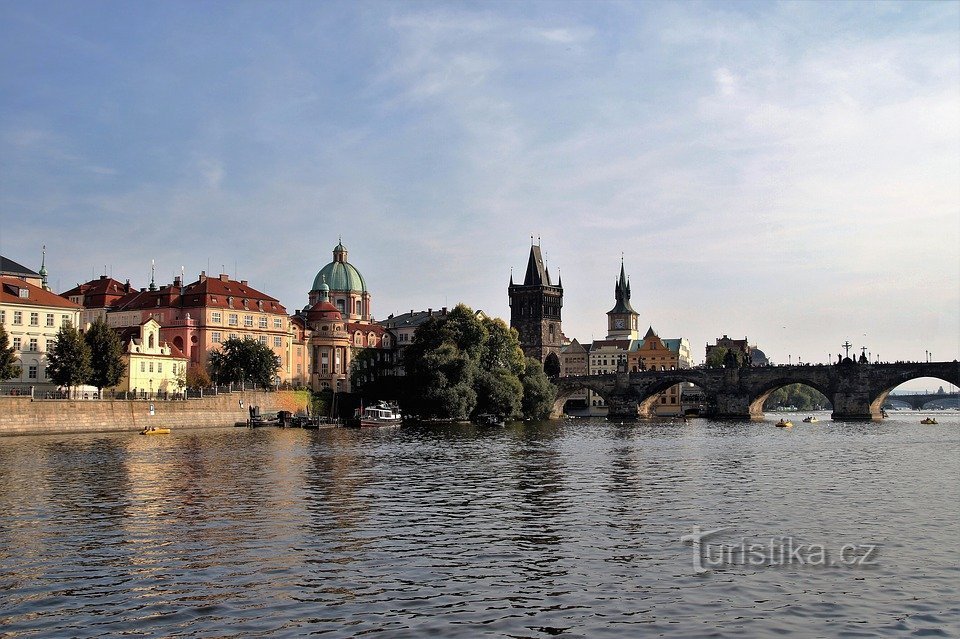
x: 488, y: 419
x: 382, y: 414
x: 810, y: 420
x: 784, y: 424
x: 153, y: 430
x: 928, y: 420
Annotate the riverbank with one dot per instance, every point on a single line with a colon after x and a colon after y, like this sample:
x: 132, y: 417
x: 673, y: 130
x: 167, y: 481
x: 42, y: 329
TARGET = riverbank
x: 26, y: 416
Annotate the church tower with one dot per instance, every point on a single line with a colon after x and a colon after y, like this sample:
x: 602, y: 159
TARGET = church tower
x: 622, y: 320
x: 535, y: 310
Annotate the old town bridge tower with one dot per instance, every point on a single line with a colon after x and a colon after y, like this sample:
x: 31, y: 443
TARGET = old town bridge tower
x: 535, y: 309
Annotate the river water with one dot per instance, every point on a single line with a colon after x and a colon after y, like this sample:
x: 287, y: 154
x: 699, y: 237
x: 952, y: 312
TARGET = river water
x: 569, y: 528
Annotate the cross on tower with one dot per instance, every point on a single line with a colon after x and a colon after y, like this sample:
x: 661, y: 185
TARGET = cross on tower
x: 846, y: 345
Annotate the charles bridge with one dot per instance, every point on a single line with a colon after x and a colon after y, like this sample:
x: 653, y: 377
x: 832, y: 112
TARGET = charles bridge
x: 857, y: 391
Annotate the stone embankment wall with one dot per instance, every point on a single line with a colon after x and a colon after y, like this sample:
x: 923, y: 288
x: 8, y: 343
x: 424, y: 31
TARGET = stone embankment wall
x: 25, y: 416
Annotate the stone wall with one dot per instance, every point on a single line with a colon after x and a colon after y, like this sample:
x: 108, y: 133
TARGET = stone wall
x: 25, y: 416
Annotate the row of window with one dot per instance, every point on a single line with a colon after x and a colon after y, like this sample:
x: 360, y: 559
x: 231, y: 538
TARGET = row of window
x: 32, y: 345
x: 233, y: 319
x: 149, y: 367
x: 50, y: 319
x: 217, y: 337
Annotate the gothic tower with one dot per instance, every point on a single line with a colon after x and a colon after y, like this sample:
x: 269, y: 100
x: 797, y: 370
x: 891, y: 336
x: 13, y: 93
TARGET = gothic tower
x: 622, y: 319
x: 535, y: 310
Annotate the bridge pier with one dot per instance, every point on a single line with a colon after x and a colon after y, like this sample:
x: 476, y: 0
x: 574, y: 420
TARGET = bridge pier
x: 622, y: 408
x: 734, y: 406
x: 855, y: 406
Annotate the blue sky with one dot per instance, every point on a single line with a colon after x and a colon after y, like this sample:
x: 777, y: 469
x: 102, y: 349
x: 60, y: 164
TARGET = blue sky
x: 788, y: 172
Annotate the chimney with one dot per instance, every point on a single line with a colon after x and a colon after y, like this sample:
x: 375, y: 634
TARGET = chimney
x: 177, y: 282
x: 443, y: 311
x: 430, y: 312
x: 203, y: 276
x: 243, y: 282
x: 223, y: 277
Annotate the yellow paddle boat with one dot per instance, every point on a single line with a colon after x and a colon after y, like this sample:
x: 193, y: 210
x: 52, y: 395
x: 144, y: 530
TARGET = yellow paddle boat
x: 810, y: 420
x: 784, y: 424
x: 928, y: 420
x: 153, y: 430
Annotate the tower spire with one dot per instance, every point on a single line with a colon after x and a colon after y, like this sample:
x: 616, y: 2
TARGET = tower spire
x: 153, y: 268
x: 43, y: 269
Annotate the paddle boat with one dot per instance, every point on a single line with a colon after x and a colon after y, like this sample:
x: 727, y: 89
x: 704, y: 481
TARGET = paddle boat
x: 928, y: 420
x: 153, y: 430
x: 810, y: 420
x: 784, y: 424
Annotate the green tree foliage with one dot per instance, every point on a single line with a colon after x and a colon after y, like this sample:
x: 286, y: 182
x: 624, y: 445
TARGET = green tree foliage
x: 68, y: 359
x: 723, y: 357
x: 538, y: 392
x: 459, y: 366
x: 8, y: 359
x: 801, y: 396
x: 197, y: 377
x: 244, y: 360
x: 106, y: 355
x: 372, y: 377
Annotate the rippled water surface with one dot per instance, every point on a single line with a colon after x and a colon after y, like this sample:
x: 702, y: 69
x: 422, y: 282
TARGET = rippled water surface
x: 569, y: 528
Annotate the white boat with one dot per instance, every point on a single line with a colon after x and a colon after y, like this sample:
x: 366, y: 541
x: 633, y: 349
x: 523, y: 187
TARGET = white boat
x: 382, y: 414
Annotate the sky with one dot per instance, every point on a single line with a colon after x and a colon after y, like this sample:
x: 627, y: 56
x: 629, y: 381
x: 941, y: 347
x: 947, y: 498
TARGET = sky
x: 786, y: 172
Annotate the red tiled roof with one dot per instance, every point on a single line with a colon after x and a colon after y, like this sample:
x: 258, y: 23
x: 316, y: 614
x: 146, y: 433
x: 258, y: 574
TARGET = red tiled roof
x: 99, y: 293
x: 10, y: 294
x: 206, y: 292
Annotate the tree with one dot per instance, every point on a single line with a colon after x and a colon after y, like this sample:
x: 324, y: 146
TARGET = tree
x: 723, y: 357
x: 244, y: 359
x: 106, y: 355
x: 800, y: 396
x: 538, y: 392
x: 68, y: 360
x: 8, y: 358
x: 197, y: 377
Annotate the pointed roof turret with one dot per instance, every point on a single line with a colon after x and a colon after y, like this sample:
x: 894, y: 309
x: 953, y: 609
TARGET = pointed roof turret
x: 622, y: 294
x: 650, y: 333
x: 536, y: 272
x: 153, y: 284
x: 43, y: 269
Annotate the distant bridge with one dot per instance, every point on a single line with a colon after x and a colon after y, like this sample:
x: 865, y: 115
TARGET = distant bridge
x: 857, y: 391
x: 919, y: 400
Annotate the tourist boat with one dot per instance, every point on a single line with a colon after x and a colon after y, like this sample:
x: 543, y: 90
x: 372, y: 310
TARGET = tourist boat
x: 153, y: 430
x: 928, y: 420
x: 382, y: 414
x: 810, y: 420
x: 784, y: 424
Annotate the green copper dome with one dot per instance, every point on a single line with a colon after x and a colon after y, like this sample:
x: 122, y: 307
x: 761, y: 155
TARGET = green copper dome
x: 340, y: 275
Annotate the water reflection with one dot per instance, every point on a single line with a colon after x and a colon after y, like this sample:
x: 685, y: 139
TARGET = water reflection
x: 565, y: 528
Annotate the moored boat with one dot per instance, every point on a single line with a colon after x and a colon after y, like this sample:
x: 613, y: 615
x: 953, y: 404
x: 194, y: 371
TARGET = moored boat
x: 382, y: 414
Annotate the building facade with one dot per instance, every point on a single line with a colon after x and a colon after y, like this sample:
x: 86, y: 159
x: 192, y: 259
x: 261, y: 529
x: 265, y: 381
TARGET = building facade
x: 153, y: 366
x: 97, y: 297
x: 32, y: 317
x: 197, y: 318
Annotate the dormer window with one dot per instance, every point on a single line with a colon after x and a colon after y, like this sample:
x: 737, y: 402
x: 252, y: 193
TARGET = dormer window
x: 213, y: 299
x: 230, y: 301
x: 24, y: 293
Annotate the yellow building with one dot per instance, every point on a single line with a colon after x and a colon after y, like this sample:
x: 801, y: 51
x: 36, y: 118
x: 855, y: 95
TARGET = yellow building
x: 656, y: 354
x: 32, y: 317
x: 153, y: 366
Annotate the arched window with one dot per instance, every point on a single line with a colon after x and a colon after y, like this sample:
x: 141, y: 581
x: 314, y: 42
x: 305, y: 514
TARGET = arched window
x: 150, y: 341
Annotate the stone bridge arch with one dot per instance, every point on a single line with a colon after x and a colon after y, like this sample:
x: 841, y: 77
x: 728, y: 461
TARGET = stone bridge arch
x: 762, y: 391
x: 948, y: 372
x: 567, y: 386
x: 646, y: 387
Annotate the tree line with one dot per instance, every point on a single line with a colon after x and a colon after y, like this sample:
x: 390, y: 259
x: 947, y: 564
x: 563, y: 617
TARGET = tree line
x: 459, y: 366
